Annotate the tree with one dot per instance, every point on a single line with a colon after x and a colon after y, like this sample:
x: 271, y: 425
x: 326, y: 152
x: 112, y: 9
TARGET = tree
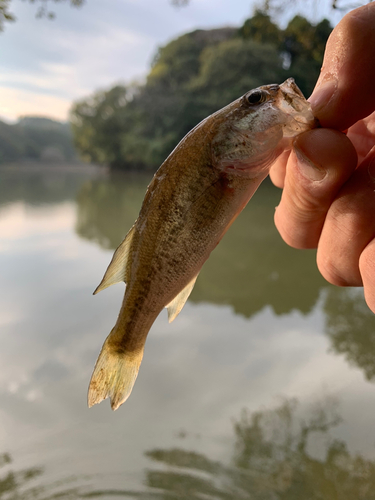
x: 231, y: 68
x: 99, y: 122
x: 261, y: 29
x: 276, y: 7
x: 190, y: 78
x: 304, y: 45
x: 42, y: 11
x: 5, y: 15
x: 36, y: 138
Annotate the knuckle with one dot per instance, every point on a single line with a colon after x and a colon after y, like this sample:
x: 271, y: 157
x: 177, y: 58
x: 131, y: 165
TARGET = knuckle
x: 338, y: 261
x: 330, y: 271
x: 305, y: 207
x: 296, y: 235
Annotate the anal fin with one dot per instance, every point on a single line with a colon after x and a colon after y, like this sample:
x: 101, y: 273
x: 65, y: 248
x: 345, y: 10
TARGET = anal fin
x: 116, y: 271
x: 176, y: 305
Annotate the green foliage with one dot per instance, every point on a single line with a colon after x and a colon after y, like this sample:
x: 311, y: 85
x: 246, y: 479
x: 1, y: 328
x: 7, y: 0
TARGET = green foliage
x: 190, y: 78
x: 98, y: 124
x: 304, y: 43
x: 231, y: 68
x: 36, y: 138
x: 261, y: 29
x: 177, y: 62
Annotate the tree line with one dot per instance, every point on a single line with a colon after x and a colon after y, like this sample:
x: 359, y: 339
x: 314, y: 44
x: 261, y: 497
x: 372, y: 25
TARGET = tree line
x: 137, y: 126
x: 36, y: 138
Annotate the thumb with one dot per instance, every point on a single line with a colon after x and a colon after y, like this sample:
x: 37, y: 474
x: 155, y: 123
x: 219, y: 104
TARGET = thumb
x: 344, y: 92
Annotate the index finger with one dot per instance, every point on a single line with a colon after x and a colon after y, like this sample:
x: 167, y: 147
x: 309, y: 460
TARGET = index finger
x: 344, y: 92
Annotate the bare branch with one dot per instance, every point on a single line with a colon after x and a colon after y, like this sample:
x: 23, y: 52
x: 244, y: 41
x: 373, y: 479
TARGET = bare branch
x: 180, y: 3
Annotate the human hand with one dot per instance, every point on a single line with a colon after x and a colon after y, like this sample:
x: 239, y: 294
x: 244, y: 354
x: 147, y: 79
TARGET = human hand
x: 328, y: 180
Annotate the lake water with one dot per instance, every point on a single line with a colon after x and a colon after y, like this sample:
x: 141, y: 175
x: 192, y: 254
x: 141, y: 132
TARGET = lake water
x: 262, y: 388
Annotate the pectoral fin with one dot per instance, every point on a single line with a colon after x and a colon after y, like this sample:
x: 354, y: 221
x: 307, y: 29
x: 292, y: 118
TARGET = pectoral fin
x: 116, y: 270
x: 176, y: 305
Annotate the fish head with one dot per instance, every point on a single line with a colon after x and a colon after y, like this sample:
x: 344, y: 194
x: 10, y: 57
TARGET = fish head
x: 251, y: 132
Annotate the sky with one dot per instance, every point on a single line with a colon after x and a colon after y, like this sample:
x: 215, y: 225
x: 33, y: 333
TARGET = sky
x: 46, y: 65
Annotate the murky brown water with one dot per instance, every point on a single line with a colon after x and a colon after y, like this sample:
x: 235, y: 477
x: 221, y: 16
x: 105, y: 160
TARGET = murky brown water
x: 263, y: 387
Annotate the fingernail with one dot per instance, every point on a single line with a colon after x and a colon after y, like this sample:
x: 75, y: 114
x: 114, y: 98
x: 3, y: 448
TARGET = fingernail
x: 307, y: 168
x: 323, y: 94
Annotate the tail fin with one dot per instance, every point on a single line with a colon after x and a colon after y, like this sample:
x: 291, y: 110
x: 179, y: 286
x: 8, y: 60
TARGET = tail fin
x: 114, y: 375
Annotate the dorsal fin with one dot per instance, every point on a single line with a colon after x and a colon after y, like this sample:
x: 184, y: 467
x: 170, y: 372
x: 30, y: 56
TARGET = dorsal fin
x: 116, y: 270
x: 176, y: 305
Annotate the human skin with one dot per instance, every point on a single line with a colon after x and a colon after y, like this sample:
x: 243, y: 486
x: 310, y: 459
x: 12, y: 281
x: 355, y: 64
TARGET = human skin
x: 328, y: 179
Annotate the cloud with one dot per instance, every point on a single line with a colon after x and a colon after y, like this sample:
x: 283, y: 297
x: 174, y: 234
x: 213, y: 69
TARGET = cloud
x: 15, y: 103
x: 49, y: 64
x: 98, y: 45
x: 18, y: 221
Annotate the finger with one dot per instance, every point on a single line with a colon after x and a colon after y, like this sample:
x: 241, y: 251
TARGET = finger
x: 362, y: 135
x: 348, y: 229
x: 321, y: 162
x: 278, y: 169
x: 367, y: 270
x: 344, y: 92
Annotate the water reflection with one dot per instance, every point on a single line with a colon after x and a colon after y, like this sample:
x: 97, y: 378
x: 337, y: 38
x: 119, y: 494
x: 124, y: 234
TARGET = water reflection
x: 250, y: 269
x: 273, y: 457
x: 108, y: 207
x: 198, y: 372
x: 271, y: 461
x: 24, y: 484
x: 31, y: 185
x: 350, y: 326
x: 12, y: 483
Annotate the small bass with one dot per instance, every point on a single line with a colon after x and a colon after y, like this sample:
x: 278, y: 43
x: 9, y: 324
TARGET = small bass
x: 191, y: 202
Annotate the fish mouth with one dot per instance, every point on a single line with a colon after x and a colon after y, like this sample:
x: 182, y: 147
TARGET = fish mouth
x: 293, y: 103
x: 290, y: 87
x: 292, y: 97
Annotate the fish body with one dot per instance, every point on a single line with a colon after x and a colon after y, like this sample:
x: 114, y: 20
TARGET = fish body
x: 189, y: 205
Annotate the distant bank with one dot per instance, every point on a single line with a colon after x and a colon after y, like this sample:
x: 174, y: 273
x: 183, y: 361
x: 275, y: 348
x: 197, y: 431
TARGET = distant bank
x: 35, y: 138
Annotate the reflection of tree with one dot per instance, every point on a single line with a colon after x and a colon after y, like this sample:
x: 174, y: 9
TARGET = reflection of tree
x: 351, y: 327
x: 271, y: 462
x: 251, y: 267
x: 49, y: 185
x: 108, y: 207
x: 12, y: 483
x: 19, y: 484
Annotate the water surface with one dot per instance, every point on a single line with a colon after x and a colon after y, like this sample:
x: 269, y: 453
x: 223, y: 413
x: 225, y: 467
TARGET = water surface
x: 262, y: 388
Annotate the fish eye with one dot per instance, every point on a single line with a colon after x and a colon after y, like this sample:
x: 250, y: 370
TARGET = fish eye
x: 256, y: 97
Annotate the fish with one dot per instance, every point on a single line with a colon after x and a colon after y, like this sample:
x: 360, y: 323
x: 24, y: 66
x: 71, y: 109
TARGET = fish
x: 192, y: 200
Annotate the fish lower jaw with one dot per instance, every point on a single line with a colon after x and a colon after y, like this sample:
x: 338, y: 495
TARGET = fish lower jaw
x: 296, y: 127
